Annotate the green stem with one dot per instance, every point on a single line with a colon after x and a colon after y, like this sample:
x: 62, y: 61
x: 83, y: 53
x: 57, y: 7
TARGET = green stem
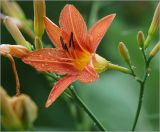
x: 142, y: 84
x: 93, y: 13
x: 132, y: 71
x: 80, y: 102
x: 86, y: 109
x: 144, y: 56
x: 118, y: 68
x: 139, y: 105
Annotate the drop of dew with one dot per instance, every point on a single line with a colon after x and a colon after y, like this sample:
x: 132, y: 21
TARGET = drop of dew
x: 136, y: 78
x: 133, y: 67
x: 148, y: 74
x: 42, y: 65
x: 140, y: 48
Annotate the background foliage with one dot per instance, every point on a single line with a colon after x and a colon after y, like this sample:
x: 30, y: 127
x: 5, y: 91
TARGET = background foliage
x: 113, y: 98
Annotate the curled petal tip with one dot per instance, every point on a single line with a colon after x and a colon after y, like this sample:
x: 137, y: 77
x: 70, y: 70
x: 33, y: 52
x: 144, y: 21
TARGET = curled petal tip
x: 113, y: 15
x: 48, y: 103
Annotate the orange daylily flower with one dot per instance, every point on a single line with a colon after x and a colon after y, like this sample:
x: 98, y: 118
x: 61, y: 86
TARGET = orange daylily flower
x: 74, y: 50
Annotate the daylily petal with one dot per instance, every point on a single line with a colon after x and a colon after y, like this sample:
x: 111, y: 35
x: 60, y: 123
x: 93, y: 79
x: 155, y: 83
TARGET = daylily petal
x: 71, y: 21
x: 50, y: 59
x: 99, y: 29
x: 54, y: 32
x: 88, y: 75
x: 58, y: 89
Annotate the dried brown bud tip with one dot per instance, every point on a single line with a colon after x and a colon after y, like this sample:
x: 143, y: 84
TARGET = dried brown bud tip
x: 18, y: 51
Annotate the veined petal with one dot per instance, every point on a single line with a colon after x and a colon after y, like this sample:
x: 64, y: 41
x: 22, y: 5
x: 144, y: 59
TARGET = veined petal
x: 50, y: 59
x: 58, y: 89
x: 53, y: 31
x: 88, y: 75
x: 72, y: 21
x: 99, y: 29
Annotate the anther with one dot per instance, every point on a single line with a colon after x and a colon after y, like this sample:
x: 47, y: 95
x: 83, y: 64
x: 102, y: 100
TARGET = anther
x: 71, y: 42
x: 64, y: 46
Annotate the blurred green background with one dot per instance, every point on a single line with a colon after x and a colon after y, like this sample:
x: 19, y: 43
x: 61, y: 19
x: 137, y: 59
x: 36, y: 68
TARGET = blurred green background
x: 114, y: 97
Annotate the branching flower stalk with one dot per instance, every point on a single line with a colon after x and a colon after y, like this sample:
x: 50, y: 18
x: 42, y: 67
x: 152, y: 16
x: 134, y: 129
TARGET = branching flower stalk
x: 143, y: 44
x: 142, y: 82
x: 125, y: 54
x: 142, y: 86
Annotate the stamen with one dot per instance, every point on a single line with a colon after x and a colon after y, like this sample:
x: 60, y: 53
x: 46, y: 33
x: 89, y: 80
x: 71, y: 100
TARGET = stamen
x: 64, y: 46
x: 71, y: 42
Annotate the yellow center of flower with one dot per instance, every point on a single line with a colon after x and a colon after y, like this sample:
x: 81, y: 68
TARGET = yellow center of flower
x: 82, y: 61
x: 80, y: 56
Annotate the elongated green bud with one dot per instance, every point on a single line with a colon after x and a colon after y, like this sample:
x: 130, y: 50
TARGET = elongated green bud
x: 124, y: 52
x: 6, y: 7
x: 17, y: 10
x: 11, y: 8
x: 15, y: 32
x: 154, y: 26
x: 39, y: 12
x: 140, y: 38
x: 155, y: 50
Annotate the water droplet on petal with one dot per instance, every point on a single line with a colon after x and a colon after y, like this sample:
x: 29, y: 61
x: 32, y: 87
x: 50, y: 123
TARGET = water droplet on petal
x: 42, y: 65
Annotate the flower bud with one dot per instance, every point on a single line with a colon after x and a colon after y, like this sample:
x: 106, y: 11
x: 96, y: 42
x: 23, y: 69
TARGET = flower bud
x: 16, y: 34
x: 25, y: 109
x: 18, y: 12
x: 6, y: 7
x: 155, y: 50
x: 11, y: 8
x: 18, y: 51
x: 9, y: 119
x: 39, y: 12
x: 154, y: 26
x: 140, y: 38
x: 124, y: 52
x: 100, y: 64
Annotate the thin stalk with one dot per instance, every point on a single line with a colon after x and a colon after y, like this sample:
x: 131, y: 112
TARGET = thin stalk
x: 139, y: 105
x: 142, y: 86
x: 144, y: 56
x: 14, y: 71
x: 86, y: 109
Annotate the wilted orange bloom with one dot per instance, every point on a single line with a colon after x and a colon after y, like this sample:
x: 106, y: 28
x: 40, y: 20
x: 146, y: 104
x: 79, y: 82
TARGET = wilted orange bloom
x: 18, y: 51
x: 74, y: 50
